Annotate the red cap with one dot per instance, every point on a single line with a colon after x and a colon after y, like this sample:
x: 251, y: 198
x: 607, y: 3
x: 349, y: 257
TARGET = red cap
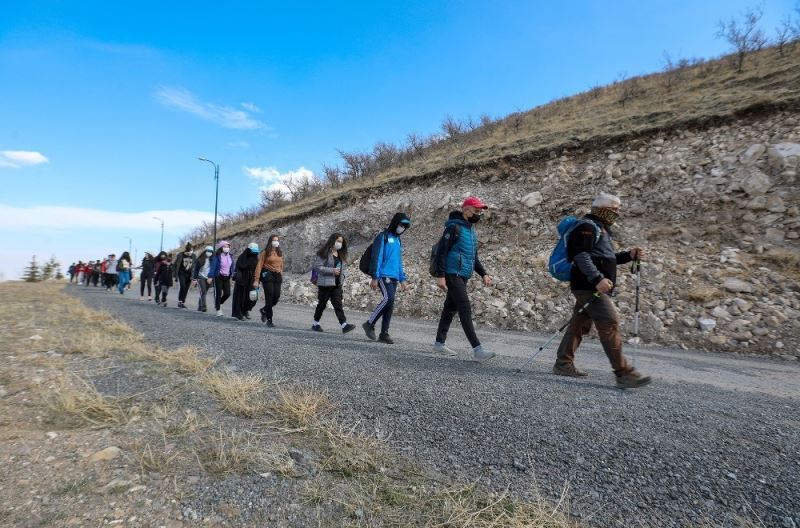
x: 474, y: 201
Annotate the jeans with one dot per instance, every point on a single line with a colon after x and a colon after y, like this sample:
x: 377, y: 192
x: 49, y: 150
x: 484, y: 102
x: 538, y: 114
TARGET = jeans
x: 222, y: 290
x: 333, y: 294
x: 457, y: 301
x: 124, y: 280
x: 202, y: 285
x: 385, y: 308
x: 272, y: 292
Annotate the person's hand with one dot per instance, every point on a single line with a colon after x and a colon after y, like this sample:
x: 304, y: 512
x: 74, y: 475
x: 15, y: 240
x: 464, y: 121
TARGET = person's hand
x: 441, y: 283
x: 605, y: 286
x: 209, y: 281
x: 487, y: 280
x: 403, y: 286
x: 337, y: 271
x: 637, y: 253
x: 373, y: 284
x: 255, y: 285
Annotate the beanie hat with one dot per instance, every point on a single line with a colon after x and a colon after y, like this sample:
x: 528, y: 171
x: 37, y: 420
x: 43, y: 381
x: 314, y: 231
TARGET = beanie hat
x: 252, y: 246
x: 223, y: 243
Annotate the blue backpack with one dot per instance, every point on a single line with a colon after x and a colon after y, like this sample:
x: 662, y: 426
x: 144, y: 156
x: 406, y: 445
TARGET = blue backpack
x: 559, y: 265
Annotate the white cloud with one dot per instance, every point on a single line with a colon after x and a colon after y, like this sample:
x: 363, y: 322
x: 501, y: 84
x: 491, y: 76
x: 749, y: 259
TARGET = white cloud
x: 271, y: 178
x: 239, y: 144
x: 16, y: 159
x: 64, y: 218
x: 226, y: 116
x: 251, y: 107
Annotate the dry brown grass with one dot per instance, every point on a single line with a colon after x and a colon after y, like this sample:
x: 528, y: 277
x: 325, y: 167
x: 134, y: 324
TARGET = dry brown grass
x: 349, y: 451
x: 703, y: 294
x: 240, y: 452
x: 240, y: 394
x: 784, y: 260
x: 160, y: 457
x: 77, y: 398
x: 301, y: 406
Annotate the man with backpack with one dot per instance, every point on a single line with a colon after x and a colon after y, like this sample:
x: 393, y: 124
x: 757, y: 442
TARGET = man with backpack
x: 593, y: 274
x: 454, y: 259
x: 386, y: 269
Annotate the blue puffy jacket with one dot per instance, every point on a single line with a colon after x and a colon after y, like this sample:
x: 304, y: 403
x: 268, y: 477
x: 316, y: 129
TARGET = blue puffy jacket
x: 214, y: 269
x: 459, y: 255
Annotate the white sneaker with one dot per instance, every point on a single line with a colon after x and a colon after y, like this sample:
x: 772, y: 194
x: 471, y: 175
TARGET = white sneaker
x: 219, y: 313
x: 480, y: 355
x: 441, y: 348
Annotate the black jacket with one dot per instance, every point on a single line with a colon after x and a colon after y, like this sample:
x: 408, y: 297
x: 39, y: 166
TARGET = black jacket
x: 147, y: 268
x: 593, y: 257
x: 246, y: 268
x: 164, y: 273
x: 184, y: 264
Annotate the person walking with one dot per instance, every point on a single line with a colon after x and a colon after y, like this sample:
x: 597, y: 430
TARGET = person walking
x: 269, y: 271
x: 163, y: 277
x: 243, y: 280
x: 386, y: 270
x: 329, y: 266
x: 222, y: 268
x: 96, y: 272
x: 200, y: 275
x: 146, y: 276
x: 73, y: 275
x: 160, y: 258
x: 87, y: 273
x: 124, y: 268
x: 592, y: 280
x: 184, y: 264
x: 111, y: 271
x: 456, y: 260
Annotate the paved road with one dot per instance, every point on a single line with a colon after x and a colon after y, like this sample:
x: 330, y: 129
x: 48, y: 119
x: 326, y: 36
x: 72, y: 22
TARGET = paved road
x: 715, y: 436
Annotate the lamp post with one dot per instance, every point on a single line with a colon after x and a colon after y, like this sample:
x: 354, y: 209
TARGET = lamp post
x: 216, y: 195
x: 161, y: 247
x: 130, y: 244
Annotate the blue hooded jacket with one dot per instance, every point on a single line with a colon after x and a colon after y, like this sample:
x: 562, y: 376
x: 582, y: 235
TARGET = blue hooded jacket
x: 387, y: 251
x: 459, y: 255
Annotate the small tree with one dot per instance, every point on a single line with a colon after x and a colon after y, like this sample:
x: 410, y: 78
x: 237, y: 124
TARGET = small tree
x: 743, y: 35
x: 784, y: 34
x: 51, y: 269
x: 32, y: 272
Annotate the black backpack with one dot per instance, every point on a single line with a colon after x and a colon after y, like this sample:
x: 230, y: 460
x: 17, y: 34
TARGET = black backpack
x: 437, y: 248
x: 366, y: 259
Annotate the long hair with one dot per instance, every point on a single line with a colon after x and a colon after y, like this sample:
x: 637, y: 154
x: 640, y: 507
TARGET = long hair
x: 327, y: 247
x: 201, y: 258
x: 161, y: 256
x: 270, y: 250
x: 125, y: 256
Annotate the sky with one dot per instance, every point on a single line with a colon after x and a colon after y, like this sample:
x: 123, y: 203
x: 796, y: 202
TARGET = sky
x: 105, y: 107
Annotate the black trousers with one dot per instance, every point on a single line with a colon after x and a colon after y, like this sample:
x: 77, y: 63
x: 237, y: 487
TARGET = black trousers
x: 184, y: 281
x: 457, y: 301
x: 241, y: 299
x: 334, y: 295
x: 149, y: 282
x: 222, y: 290
x: 272, y: 292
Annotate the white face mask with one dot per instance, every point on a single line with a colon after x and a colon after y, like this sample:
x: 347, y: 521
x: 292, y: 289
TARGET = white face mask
x: 337, y: 246
x: 275, y: 243
x: 226, y: 249
x: 208, y: 253
x: 400, y: 230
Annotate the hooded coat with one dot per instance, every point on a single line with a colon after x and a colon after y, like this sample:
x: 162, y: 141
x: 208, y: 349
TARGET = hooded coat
x: 387, y: 251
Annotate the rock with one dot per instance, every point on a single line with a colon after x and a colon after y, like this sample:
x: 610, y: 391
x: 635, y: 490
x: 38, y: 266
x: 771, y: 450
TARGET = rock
x: 115, y: 486
x: 720, y: 313
x: 52, y: 435
x: 775, y: 236
x: 784, y: 155
x: 3, y: 391
x: 533, y: 199
x: 774, y: 204
x: 298, y: 456
x: 706, y: 324
x: 35, y: 337
x: 752, y: 153
x: 756, y: 183
x: 108, y: 453
x: 735, y: 285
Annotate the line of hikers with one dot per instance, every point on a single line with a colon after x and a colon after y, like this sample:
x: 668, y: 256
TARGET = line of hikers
x: 585, y: 256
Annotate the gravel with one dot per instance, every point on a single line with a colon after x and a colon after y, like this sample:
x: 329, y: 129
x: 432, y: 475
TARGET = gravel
x: 714, y: 437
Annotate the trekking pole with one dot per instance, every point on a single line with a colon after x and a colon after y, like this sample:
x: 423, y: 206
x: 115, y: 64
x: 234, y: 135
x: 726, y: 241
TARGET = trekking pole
x: 636, y: 269
x: 545, y: 345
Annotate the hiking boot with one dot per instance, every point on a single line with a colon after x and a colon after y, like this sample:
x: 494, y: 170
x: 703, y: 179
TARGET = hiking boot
x: 348, y: 328
x: 480, y: 355
x: 386, y: 338
x: 632, y: 380
x: 317, y: 328
x: 441, y: 348
x: 568, y: 370
x: 369, y: 330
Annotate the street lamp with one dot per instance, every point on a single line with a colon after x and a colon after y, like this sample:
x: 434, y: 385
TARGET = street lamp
x: 130, y: 243
x: 161, y: 248
x: 216, y: 196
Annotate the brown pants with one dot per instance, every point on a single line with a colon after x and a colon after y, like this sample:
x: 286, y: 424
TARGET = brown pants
x: 602, y: 313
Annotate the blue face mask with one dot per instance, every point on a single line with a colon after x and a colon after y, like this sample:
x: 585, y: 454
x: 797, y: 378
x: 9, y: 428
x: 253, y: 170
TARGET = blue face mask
x: 254, y: 251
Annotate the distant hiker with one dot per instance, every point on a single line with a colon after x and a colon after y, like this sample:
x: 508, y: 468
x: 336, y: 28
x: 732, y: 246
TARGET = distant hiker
x: 590, y: 248
x: 163, y: 277
x: 146, y: 276
x: 124, y: 268
x: 200, y: 274
x: 111, y: 271
x: 386, y: 270
x: 455, y: 261
x: 71, y: 272
x: 222, y: 267
x: 96, y: 272
x: 329, y: 267
x: 184, y: 264
x: 87, y: 273
x: 243, y: 282
x: 160, y: 258
x: 269, y: 271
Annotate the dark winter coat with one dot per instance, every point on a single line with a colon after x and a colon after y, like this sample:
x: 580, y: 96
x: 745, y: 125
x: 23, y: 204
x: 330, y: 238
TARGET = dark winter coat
x: 593, y: 257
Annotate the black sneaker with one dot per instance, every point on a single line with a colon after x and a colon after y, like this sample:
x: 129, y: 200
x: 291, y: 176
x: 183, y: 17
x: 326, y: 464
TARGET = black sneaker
x: 317, y: 328
x: 348, y: 328
x: 632, y: 380
x: 269, y: 323
x: 385, y: 338
x: 369, y: 330
x: 246, y: 315
x: 263, y: 316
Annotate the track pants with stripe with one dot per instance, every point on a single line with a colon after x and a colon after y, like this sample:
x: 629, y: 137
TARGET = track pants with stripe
x: 385, y: 308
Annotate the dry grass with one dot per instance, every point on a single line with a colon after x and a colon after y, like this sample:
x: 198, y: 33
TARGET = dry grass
x: 77, y: 398
x: 240, y: 394
x: 239, y: 452
x: 301, y: 406
x: 703, y: 294
x: 785, y: 260
x: 162, y: 458
x: 349, y: 451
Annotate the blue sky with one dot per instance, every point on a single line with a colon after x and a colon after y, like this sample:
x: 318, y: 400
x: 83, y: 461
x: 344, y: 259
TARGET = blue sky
x: 105, y: 106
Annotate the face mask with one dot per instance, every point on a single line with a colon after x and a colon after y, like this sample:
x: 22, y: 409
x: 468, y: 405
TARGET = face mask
x: 400, y: 230
x: 474, y: 219
x: 226, y: 249
x: 275, y: 243
x: 208, y: 253
x: 337, y: 246
x: 606, y: 215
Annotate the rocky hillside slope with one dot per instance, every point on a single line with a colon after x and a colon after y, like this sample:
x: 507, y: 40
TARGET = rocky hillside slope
x: 717, y: 207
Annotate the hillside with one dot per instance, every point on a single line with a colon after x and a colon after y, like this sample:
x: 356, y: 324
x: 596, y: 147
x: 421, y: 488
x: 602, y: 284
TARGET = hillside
x: 705, y: 160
